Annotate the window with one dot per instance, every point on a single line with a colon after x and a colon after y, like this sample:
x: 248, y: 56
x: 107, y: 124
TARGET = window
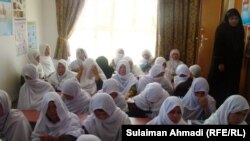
x: 106, y: 25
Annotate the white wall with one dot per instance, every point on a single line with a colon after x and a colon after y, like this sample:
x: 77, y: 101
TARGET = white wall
x: 43, y: 13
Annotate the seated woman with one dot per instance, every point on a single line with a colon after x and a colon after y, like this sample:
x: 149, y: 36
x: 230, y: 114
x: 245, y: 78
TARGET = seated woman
x: 171, y: 113
x: 106, y: 118
x: 91, y: 76
x: 162, y: 61
x: 134, y: 69
x: 195, y: 70
x: 62, y: 73
x: 147, y: 61
x: 102, y: 61
x: 182, y: 80
x: 33, y: 57
x: 156, y: 74
x: 174, y: 61
x: 14, y: 125
x: 75, y: 98
x: 119, y: 55
x: 126, y: 79
x: 33, y: 90
x: 233, y: 111
x: 81, y: 55
x: 112, y: 87
x: 198, y: 104
x: 46, y: 60
x: 149, y: 100
x: 55, y: 122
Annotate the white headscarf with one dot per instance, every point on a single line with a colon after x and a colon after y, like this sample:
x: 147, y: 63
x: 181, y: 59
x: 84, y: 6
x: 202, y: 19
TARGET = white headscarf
x: 88, y: 137
x: 69, y: 123
x: 46, y: 61
x: 151, y: 98
x: 32, y: 91
x: 168, y: 105
x: 111, y: 85
x: 31, y: 56
x: 134, y: 69
x: 151, y: 77
x: 192, y: 108
x: 13, y: 124
x: 119, y: 55
x: 162, y: 61
x: 87, y: 80
x: 195, y: 70
x: 126, y: 81
x: 57, y: 79
x: 109, y: 129
x: 147, y: 52
x: 232, y: 104
x: 171, y: 63
x: 182, y: 74
x: 81, y: 55
x: 80, y: 102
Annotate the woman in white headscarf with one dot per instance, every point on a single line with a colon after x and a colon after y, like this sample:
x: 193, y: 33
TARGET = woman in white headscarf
x: 46, y: 60
x: 32, y: 91
x: 182, y: 80
x: 106, y: 119
x: 55, y: 121
x: 33, y: 57
x: 174, y: 61
x: 13, y: 124
x: 126, y: 79
x: 162, y: 61
x: 134, y: 69
x: 156, y: 74
x: 171, y: 113
x: 151, y: 99
x: 112, y: 87
x: 91, y: 76
x: 81, y: 55
x: 61, y: 74
x: 198, y: 104
x: 119, y: 55
x: 195, y: 70
x: 147, y: 61
x: 75, y: 98
x: 88, y: 137
x: 233, y: 111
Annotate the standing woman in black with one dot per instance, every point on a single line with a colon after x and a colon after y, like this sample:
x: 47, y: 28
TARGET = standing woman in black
x: 224, y: 75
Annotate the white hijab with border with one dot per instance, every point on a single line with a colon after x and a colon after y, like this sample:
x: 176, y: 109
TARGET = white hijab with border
x: 126, y: 81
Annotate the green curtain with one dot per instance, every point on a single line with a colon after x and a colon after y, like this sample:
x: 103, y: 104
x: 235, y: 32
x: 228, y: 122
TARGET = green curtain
x: 177, y: 24
x: 67, y: 13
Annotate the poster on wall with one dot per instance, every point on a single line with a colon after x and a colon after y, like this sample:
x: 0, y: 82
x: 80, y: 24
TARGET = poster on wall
x: 245, y: 12
x: 21, y: 37
x: 6, y: 19
x: 32, y: 38
x: 19, y: 9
